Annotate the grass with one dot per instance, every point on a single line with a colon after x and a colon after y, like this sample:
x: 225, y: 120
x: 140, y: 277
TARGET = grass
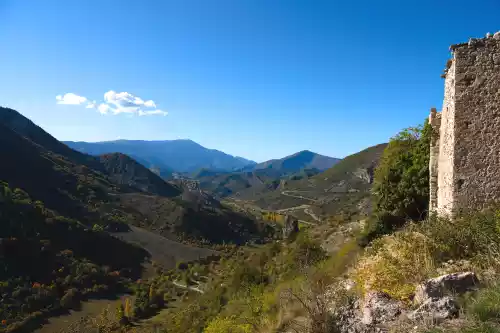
x: 486, y: 305
x: 396, y: 263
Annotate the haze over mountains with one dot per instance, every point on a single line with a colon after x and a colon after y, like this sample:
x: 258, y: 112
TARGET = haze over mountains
x: 189, y: 157
x: 166, y: 156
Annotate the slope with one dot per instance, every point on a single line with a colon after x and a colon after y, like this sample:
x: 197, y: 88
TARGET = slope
x: 344, y: 188
x: 124, y: 170
x: 48, y: 262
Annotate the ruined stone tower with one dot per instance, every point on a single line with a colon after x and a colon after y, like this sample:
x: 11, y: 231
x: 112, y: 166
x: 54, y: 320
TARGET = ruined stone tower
x: 465, y: 147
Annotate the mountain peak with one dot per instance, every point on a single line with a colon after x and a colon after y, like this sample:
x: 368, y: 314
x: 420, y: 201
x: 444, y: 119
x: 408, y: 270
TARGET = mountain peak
x: 304, y: 159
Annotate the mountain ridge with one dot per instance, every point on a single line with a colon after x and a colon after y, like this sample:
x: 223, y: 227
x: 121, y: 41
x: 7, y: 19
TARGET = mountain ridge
x: 181, y: 155
x: 304, y: 159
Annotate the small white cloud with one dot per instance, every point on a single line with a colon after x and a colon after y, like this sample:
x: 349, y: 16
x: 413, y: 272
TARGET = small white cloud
x: 152, y: 112
x: 123, y: 99
x: 115, y: 103
x: 71, y: 99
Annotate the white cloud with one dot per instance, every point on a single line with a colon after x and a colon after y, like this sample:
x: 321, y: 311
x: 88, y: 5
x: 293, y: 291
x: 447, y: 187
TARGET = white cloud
x: 152, y: 112
x: 123, y: 99
x: 149, y: 104
x: 115, y: 103
x: 71, y: 99
x: 104, y: 108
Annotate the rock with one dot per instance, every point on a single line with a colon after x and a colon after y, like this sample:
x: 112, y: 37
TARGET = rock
x: 290, y: 227
x: 436, y: 309
x: 455, y: 283
x: 348, y: 284
x: 496, y: 35
x: 379, y: 307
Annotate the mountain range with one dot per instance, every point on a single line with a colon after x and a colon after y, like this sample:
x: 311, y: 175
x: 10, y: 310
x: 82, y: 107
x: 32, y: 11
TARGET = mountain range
x: 264, y: 176
x: 166, y: 156
x: 190, y: 158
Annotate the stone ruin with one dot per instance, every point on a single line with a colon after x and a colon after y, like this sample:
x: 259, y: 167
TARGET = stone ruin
x: 465, y: 146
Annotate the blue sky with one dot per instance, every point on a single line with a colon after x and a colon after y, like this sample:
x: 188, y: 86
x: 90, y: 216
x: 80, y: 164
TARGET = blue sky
x: 257, y: 78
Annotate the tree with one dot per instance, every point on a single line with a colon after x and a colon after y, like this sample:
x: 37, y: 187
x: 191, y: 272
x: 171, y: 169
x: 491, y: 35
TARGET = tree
x: 401, y: 182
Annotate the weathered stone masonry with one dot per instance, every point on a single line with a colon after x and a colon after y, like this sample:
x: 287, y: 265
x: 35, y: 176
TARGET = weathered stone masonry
x: 465, y: 148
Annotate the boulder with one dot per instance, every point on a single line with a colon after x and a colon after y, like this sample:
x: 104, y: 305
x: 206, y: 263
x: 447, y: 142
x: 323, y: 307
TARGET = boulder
x: 379, y: 307
x: 455, y: 283
x: 290, y: 227
x: 436, y: 309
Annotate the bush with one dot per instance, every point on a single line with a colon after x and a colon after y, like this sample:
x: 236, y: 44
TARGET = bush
x: 486, y: 305
x: 401, y: 182
x: 396, y: 263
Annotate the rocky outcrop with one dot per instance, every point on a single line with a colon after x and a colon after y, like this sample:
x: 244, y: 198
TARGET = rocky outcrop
x: 436, y: 309
x: 290, y: 227
x: 379, y: 307
x: 378, y: 312
x: 449, y: 284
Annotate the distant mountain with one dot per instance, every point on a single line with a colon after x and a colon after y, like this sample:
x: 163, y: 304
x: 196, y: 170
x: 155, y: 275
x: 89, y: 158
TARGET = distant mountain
x: 345, y: 187
x: 302, y: 160
x: 171, y: 155
x: 265, y: 176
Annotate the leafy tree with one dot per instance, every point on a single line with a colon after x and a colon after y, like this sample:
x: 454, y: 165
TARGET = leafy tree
x: 401, y: 181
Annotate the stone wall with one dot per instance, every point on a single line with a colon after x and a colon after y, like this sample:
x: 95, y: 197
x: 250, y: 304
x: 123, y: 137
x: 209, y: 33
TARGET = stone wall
x: 445, y: 178
x: 468, y: 163
x: 435, y: 122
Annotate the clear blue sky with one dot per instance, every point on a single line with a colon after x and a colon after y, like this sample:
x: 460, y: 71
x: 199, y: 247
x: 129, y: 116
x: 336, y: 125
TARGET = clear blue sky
x: 257, y: 78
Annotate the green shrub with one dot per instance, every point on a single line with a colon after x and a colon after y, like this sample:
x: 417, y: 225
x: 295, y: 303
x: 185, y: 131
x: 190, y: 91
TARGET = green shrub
x: 486, y: 305
x: 401, y: 182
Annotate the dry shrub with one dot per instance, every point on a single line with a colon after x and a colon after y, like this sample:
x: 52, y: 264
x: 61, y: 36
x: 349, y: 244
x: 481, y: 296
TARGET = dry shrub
x: 395, y: 263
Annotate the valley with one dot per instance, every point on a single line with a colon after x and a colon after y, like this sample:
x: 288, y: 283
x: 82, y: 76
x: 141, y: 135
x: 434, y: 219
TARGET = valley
x: 170, y: 223
x: 249, y: 166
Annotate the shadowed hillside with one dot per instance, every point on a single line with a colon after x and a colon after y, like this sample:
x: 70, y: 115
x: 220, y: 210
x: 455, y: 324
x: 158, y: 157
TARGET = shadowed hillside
x: 124, y: 170
x: 96, y: 196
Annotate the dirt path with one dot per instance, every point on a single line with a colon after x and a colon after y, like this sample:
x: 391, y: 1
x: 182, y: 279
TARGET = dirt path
x: 286, y: 193
x: 307, y: 210
x: 183, y: 286
x: 311, y: 214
